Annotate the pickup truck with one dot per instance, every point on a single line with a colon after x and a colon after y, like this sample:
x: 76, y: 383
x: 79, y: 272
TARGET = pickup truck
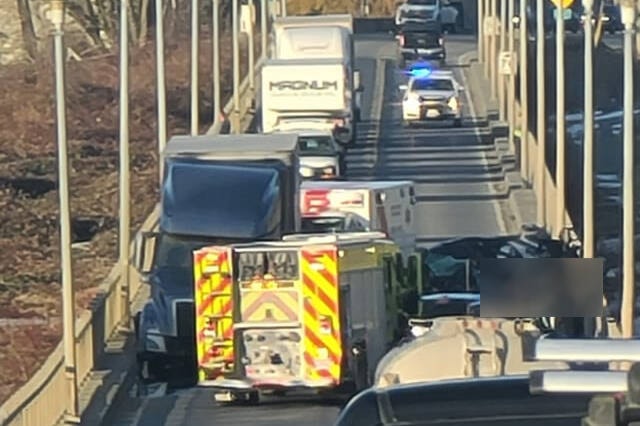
x: 417, y: 43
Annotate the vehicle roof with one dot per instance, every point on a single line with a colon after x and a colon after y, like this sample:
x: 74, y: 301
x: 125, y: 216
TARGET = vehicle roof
x: 220, y: 146
x: 436, y: 75
x: 299, y: 240
x: 355, y: 184
x: 483, y: 401
x: 326, y: 20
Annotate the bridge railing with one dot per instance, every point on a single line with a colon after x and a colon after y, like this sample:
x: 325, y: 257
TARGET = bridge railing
x: 43, y: 399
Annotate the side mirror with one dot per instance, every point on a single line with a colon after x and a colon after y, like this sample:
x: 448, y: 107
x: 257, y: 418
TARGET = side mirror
x: 403, y: 87
x: 143, y: 253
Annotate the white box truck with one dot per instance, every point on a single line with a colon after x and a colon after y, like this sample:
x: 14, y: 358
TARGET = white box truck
x: 324, y: 36
x: 307, y: 90
x: 388, y: 206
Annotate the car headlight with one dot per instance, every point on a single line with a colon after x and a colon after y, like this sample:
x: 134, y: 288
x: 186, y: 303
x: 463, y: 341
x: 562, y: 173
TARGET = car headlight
x: 306, y: 171
x: 412, y: 99
x: 154, y: 341
x: 329, y: 171
x: 453, y: 103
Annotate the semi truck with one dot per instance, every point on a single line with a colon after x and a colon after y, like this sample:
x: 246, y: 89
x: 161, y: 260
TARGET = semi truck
x: 215, y: 190
x: 313, y: 312
x: 317, y: 37
x: 305, y: 91
x: 387, y: 205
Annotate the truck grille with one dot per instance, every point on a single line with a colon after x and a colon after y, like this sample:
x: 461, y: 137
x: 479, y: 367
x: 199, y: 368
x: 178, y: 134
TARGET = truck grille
x: 432, y: 101
x: 421, y: 40
x: 185, y: 320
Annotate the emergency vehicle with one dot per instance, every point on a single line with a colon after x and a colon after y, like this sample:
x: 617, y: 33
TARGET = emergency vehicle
x: 388, y: 206
x: 308, y: 312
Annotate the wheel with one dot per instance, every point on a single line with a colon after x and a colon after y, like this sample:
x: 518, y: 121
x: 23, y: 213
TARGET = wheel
x: 362, y: 375
x: 342, y: 163
x: 253, y: 398
x: 136, y: 324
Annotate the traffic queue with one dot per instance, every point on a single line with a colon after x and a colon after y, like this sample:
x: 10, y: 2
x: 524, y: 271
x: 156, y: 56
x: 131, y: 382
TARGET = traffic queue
x: 270, y: 272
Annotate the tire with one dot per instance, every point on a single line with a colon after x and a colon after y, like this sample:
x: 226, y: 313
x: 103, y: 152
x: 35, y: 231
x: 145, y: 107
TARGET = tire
x: 342, y: 163
x: 136, y: 324
x: 253, y: 398
x: 362, y: 377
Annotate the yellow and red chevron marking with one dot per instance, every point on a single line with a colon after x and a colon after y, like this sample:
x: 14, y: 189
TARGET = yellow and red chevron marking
x: 214, y: 305
x: 270, y: 305
x: 323, y: 352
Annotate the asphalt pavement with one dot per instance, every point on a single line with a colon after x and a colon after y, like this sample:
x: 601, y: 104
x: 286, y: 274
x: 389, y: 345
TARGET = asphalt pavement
x: 454, y: 169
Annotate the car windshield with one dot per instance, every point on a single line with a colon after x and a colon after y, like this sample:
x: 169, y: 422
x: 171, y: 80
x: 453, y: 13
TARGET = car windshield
x: 422, y: 2
x: 432, y: 84
x: 315, y: 225
x: 316, y: 145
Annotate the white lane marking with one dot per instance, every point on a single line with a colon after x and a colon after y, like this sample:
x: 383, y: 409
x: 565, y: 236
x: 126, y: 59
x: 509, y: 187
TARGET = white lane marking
x: 496, y: 207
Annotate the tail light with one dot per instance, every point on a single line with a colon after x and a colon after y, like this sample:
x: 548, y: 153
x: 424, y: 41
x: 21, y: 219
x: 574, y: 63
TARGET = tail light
x: 211, y: 330
x: 215, y: 352
x: 325, y: 325
x: 401, y: 40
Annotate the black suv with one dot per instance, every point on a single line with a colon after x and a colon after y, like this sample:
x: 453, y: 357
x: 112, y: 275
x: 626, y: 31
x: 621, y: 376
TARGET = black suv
x: 418, y: 43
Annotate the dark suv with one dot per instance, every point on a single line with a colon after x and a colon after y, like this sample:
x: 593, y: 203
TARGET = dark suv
x: 417, y: 43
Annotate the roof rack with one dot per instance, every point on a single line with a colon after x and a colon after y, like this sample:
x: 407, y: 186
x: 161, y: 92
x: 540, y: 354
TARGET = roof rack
x: 335, y: 238
x: 617, y: 392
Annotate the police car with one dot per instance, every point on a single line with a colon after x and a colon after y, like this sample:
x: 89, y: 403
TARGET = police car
x: 431, y: 96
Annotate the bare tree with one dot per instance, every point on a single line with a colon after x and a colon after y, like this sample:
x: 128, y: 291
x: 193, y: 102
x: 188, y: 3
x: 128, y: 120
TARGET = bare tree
x: 29, y: 37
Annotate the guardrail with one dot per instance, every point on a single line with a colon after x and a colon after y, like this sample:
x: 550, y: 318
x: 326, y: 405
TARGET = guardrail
x: 43, y: 399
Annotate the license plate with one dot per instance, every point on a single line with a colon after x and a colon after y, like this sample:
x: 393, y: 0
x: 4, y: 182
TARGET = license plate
x: 432, y: 113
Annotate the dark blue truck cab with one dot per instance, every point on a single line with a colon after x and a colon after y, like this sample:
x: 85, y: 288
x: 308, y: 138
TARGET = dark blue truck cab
x: 216, y: 190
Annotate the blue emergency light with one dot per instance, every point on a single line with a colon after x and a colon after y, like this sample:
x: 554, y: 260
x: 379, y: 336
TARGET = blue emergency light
x: 419, y: 71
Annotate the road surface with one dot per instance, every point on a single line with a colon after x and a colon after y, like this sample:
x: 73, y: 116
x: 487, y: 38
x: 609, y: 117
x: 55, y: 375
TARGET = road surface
x: 454, y: 177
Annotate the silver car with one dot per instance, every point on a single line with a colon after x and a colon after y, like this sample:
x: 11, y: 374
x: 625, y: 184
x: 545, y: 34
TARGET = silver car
x: 321, y: 157
x: 432, y: 96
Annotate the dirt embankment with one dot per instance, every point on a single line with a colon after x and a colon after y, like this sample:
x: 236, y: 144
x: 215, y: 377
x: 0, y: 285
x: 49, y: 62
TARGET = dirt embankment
x: 30, y: 324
